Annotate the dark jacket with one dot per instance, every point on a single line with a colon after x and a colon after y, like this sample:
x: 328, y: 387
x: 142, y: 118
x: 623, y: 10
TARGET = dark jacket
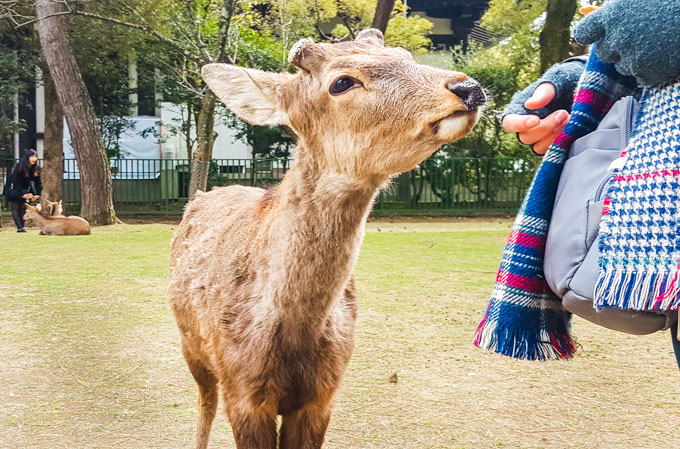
x: 19, y: 185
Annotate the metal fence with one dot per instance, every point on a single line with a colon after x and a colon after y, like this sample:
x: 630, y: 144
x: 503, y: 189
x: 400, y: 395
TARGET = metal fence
x: 438, y: 185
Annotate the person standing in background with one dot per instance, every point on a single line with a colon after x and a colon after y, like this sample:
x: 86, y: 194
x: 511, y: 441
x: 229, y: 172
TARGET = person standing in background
x: 23, y: 185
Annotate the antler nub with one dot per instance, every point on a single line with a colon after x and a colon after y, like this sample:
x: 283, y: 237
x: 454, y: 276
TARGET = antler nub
x: 372, y: 35
x: 297, y: 51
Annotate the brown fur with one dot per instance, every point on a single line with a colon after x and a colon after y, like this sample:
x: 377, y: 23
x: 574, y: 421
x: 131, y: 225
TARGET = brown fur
x: 57, y: 225
x: 262, y: 283
x: 51, y: 208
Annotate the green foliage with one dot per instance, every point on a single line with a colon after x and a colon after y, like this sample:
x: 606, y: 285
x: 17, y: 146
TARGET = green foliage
x: 105, y: 73
x: 518, y: 25
x: 407, y: 32
x: 16, y: 75
x: 345, y: 18
x: 508, y: 17
x: 260, y: 49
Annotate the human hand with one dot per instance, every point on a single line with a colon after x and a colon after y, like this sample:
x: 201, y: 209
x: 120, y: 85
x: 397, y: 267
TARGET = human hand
x: 639, y: 38
x: 532, y: 130
x: 27, y: 196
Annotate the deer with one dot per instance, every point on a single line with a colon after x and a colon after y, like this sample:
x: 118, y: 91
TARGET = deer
x: 56, y: 224
x: 262, y: 281
x: 51, y: 208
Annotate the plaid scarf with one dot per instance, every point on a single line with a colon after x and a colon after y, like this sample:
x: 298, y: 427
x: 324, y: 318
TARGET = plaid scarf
x: 525, y: 319
x: 639, y: 244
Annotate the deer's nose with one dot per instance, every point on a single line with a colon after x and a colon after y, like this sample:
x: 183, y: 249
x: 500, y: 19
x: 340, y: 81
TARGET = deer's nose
x: 469, y: 92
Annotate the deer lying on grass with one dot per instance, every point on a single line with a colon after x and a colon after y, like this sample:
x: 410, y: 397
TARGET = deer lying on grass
x: 57, y: 224
x: 261, y: 282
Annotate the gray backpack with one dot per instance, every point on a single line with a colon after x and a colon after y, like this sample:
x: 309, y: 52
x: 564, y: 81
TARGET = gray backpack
x: 572, y: 250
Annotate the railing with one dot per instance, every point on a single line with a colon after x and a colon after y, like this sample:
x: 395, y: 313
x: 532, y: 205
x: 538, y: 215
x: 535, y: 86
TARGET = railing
x: 457, y: 185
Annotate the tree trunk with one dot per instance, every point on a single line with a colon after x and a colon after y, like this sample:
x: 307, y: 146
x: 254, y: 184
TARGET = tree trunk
x: 53, y: 151
x: 93, y: 165
x: 205, y: 138
x: 555, y: 36
x: 383, y: 11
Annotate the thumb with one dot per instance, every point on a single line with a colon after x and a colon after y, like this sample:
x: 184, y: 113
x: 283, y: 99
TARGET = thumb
x: 543, y: 95
x: 590, y: 29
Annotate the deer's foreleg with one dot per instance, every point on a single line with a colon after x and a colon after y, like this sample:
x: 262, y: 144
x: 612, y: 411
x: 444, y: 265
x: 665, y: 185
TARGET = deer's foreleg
x: 207, y: 398
x: 306, y: 428
x: 253, y: 428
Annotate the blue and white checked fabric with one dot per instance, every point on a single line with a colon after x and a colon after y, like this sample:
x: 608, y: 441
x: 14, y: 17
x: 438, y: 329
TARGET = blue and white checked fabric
x: 640, y: 240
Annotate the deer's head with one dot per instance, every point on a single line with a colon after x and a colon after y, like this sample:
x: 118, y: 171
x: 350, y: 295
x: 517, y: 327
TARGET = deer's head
x: 361, y: 109
x: 31, y: 212
x: 53, y: 208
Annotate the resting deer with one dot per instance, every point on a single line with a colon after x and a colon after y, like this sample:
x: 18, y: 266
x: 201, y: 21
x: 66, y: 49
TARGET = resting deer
x: 261, y: 282
x: 57, y: 224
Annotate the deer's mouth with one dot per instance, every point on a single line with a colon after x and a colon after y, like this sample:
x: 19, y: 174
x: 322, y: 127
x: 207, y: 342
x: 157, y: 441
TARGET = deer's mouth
x: 455, y: 123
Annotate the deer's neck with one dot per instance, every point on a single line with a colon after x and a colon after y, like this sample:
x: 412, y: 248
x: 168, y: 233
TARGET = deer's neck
x: 39, y: 219
x: 316, y: 227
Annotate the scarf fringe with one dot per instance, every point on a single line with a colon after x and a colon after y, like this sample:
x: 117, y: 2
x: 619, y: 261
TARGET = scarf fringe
x: 628, y: 289
x: 525, y: 344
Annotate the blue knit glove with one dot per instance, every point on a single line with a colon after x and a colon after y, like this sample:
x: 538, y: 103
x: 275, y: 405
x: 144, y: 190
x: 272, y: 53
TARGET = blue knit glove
x: 642, y: 39
x: 563, y: 76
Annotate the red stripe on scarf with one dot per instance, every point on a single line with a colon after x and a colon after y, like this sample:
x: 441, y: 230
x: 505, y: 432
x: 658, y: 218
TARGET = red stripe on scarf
x: 522, y: 282
x: 529, y: 240
x: 595, y: 99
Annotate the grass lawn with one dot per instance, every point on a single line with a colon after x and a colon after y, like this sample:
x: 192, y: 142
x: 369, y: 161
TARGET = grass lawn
x: 89, y: 354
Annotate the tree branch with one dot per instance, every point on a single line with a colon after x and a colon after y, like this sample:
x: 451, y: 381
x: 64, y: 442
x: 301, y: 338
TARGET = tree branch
x: 226, y: 14
x: 146, y: 29
x: 195, y: 31
x: 8, y: 11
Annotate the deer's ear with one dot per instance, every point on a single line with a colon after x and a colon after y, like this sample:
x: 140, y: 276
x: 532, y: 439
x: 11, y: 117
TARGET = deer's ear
x: 251, y: 94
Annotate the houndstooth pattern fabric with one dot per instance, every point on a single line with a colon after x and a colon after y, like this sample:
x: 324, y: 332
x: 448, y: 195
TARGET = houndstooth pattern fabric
x: 640, y: 244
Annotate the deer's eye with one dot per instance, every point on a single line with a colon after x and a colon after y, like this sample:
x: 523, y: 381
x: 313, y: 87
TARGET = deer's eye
x: 344, y: 84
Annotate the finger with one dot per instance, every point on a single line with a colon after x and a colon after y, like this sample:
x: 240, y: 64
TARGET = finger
x: 541, y: 147
x: 516, y: 123
x: 548, y: 126
x: 590, y: 29
x: 543, y: 95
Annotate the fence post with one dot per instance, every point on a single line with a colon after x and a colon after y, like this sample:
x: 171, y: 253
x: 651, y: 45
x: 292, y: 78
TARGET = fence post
x: 487, y: 178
